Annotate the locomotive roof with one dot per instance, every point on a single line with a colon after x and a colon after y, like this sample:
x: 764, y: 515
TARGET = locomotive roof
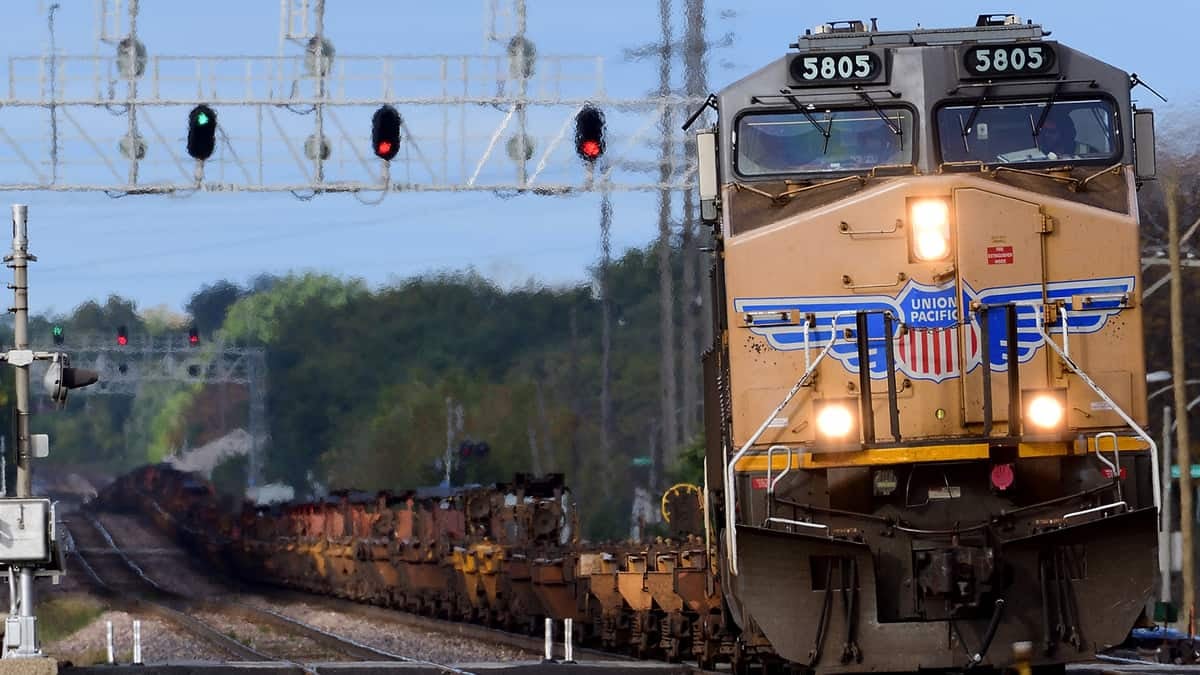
x: 852, y: 34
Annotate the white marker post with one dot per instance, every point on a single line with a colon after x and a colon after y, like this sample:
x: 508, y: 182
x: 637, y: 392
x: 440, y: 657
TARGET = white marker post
x: 568, y: 641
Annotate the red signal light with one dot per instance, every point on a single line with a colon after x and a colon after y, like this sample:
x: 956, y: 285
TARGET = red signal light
x: 590, y: 149
x: 385, y: 132
x: 122, y: 340
x: 589, y: 133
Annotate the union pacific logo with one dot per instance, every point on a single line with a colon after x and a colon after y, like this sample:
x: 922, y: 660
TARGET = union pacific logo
x: 934, y: 345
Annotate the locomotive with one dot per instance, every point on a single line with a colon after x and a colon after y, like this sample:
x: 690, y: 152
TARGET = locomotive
x: 925, y: 401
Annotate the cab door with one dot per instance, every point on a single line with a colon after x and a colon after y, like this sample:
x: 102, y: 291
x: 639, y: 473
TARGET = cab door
x: 999, y: 246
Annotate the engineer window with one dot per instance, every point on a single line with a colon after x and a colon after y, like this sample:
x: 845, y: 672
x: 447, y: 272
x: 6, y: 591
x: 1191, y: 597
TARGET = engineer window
x: 824, y: 141
x: 1025, y: 132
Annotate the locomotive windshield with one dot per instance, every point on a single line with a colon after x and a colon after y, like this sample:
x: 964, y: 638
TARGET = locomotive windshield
x: 1026, y: 132
x: 823, y: 141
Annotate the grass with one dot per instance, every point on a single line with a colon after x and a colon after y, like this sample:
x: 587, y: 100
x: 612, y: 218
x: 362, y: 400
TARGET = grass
x: 61, y: 616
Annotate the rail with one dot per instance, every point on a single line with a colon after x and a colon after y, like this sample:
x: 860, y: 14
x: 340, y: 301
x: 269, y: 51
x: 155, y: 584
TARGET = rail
x: 196, y: 627
x: 332, y: 641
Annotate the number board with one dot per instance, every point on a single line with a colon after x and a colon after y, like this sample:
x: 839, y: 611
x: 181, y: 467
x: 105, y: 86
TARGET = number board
x: 1027, y: 59
x: 825, y: 69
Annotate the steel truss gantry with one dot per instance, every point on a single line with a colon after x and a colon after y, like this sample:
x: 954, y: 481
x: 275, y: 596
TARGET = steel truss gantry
x: 125, y: 369
x: 300, y: 123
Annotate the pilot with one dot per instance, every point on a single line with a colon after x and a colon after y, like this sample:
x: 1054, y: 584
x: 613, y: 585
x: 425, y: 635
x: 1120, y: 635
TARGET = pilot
x: 1057, y: 137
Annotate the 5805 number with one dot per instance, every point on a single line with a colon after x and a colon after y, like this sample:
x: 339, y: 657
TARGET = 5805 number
x: 832, y: 68
x: 1011, y: 60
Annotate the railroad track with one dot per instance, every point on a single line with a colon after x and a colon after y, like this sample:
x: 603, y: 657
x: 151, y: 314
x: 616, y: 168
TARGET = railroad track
x: 120, y: 578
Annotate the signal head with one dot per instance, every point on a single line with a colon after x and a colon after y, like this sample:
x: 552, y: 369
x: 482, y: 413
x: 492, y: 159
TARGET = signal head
x: 385, y: 133
x: 57, y: 333
x: 202, y: 132
x: 589, y: 133
x: 122, y: 336
x: 61, y: 378
x: 193, y: 336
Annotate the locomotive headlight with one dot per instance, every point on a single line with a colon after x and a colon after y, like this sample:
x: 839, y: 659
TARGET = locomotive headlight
x: 930, y: 228
x: 835, y: 420
x: 1045, y: 410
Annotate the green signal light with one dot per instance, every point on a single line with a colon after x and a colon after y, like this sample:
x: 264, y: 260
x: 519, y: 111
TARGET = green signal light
x: 202, y: 119
x: 58, y: 331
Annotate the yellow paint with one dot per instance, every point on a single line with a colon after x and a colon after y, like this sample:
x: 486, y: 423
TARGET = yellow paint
x: 1125, y: 443
x: 487, y: 557
x: 928, y: 453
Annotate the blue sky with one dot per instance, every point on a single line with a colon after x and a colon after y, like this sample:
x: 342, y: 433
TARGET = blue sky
x: 158, y: 250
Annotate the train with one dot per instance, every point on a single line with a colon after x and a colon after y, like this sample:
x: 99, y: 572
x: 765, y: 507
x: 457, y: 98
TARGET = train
x: 926, y: 396
x: 506, y: 555
x: 925, y: 400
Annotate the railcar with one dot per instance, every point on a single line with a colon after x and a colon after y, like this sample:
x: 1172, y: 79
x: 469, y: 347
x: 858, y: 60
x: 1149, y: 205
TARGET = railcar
x: 925, y: 402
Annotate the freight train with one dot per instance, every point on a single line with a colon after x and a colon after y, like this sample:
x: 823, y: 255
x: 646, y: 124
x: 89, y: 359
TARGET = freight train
x: 504, y: 555
x: 925, y: 401
x: 926, y: 396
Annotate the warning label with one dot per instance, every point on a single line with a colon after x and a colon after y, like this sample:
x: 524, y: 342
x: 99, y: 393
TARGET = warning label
x: 1000, y: 255
x: 758, y: 483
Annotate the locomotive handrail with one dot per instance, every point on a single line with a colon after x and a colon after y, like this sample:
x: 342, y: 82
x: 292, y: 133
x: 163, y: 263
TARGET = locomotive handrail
x: 798, y: 523
x: 1154, y: 473
x: 1115, y: 465
x: 1095, y: 509
x: 848, y: 282
x: 730, y: 497
x: 770, y: 465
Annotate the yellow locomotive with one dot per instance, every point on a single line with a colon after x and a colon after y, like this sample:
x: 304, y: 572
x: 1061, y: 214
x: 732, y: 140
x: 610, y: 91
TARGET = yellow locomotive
x: 926, y: 397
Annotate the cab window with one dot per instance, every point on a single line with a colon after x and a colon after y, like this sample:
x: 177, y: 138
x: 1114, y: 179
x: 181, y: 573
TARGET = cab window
x: 1009, y: 133
x: 823, y: 141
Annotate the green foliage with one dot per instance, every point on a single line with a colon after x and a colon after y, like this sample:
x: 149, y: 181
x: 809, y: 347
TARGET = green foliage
x: 60, y: 616
x: 256, y: 318
x: 209, y: 306
x: 690, y: 468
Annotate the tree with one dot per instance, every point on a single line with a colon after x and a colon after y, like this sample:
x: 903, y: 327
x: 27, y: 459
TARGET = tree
x: 209, y: 305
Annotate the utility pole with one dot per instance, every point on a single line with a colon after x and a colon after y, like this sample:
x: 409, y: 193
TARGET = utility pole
x: 1187, y: 512
x: 454, y: 423
x: 26, y: 554
x: 605, y: 325
x: 695, y: 49
x: 666, y: 287
x: 1164, y: 532
x: 19, y: 262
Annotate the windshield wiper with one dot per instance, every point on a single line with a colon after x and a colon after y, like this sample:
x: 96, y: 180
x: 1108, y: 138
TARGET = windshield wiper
x: 966, y: 127
x: 1037, y: 129
x: 826, y: 132
x: 879, y: 111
